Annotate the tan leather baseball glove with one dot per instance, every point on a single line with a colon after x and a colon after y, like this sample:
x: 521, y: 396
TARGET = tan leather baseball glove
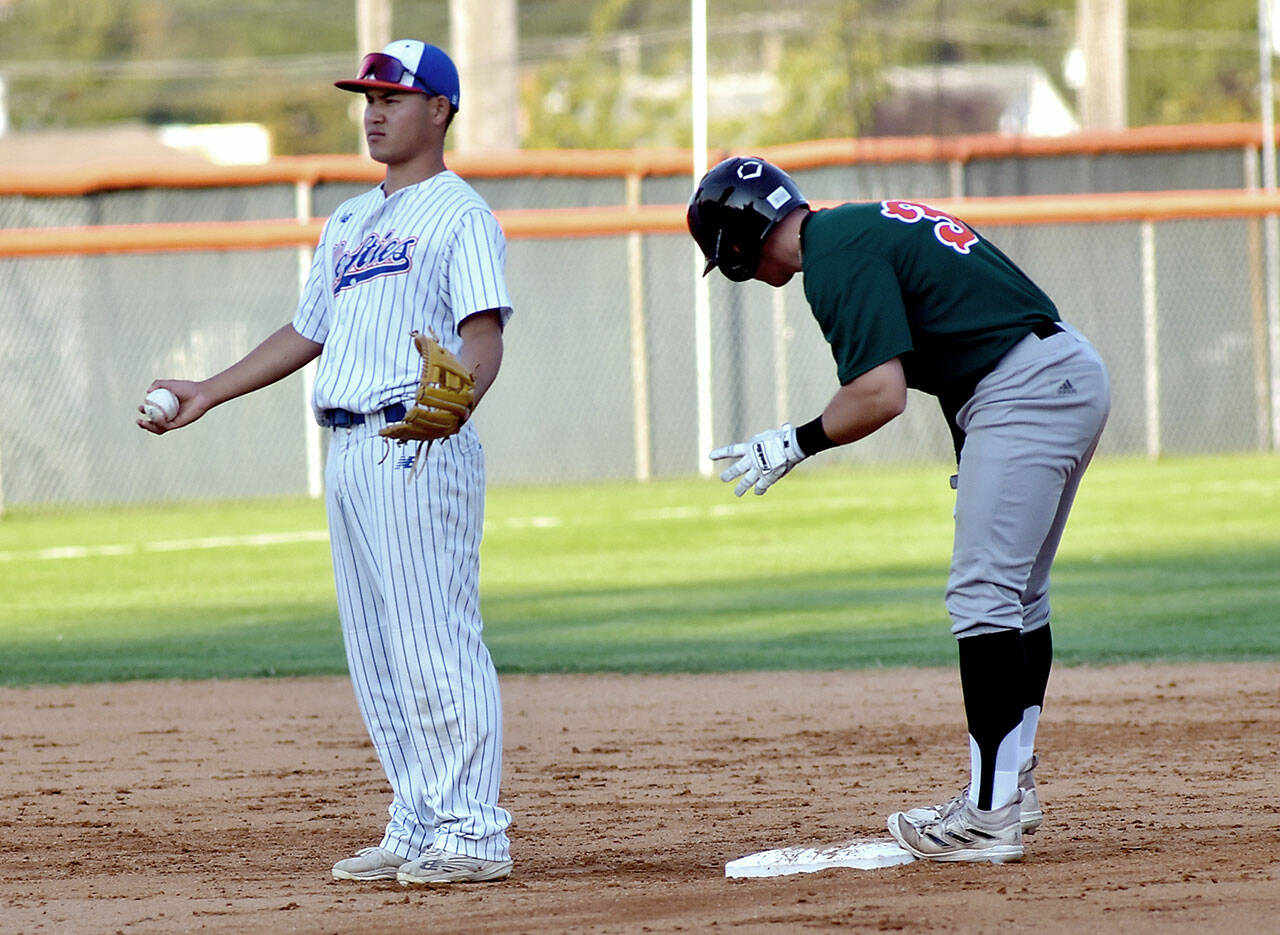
x: 445, y: 396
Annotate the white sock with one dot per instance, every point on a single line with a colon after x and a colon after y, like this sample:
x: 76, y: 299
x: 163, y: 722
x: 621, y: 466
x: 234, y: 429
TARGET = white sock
x: 1004, y: 788
x: 1027, y: 735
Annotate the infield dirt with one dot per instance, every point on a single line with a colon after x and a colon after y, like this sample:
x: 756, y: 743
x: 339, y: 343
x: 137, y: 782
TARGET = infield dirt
x: 219, y: 807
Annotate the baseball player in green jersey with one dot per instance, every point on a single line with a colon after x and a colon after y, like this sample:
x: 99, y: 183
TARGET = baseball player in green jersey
x: 911, y: 297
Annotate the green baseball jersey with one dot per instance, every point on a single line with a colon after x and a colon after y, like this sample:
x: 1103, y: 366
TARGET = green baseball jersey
x: 901, y: 279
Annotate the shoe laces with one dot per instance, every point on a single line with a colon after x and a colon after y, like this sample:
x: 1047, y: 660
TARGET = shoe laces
x: 435, y: 858
x: 374, y: 851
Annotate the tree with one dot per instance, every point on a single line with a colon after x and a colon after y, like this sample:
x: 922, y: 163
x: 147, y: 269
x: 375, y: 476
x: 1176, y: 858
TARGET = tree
x: 828, y: 82
x: 603, y: 73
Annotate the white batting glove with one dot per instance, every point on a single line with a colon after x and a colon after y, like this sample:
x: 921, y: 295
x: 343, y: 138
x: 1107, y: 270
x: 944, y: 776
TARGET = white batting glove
x: 761, y: 462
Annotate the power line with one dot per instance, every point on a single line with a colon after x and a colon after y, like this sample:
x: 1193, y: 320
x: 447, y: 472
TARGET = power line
x: 544, y: 50
x: 155, y: 69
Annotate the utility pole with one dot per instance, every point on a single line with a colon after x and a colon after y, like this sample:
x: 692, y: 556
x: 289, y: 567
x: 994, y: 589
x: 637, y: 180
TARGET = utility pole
x: 373, y: 32
x: 373, y: 25
x: 483, y: 47
x: 1101, y: 33
x: 701, y: 288
x: 1267, y: 45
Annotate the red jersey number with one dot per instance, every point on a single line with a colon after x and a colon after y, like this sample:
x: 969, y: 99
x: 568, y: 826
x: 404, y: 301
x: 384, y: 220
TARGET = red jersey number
x: 950, y: 231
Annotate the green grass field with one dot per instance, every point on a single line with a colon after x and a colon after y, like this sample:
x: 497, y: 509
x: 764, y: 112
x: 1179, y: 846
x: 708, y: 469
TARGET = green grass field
x: 835, y: 568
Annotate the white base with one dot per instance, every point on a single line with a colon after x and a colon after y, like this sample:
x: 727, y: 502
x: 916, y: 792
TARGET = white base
x: 860, y: 855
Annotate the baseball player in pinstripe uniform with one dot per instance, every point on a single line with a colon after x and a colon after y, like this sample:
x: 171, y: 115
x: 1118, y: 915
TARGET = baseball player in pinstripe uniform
x: 908, y: 296
x: 421, y: 252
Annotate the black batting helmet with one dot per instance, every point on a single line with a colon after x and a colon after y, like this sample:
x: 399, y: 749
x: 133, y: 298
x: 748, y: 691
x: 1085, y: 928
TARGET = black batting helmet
x: 734, y: 208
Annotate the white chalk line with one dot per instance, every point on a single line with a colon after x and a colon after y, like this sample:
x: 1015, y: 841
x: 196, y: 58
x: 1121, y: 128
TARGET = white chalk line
x: 66, y: 552
x: 59, y: 553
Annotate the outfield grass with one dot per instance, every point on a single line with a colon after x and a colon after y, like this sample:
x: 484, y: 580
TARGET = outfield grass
x: 835, y: 568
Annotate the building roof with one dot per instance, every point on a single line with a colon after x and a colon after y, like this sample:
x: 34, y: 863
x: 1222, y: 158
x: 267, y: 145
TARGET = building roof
x: 944, y: 100
x: 135, y: 144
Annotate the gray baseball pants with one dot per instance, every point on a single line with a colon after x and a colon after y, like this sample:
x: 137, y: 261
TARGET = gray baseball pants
x: 1031, y: 428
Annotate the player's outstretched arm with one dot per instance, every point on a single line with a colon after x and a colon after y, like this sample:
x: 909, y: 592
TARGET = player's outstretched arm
x: 283, y: 353
x: 866, y: 403
x: 856, y: 410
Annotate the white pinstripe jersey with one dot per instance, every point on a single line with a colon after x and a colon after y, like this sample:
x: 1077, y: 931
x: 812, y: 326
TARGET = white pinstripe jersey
x: 422, y: 259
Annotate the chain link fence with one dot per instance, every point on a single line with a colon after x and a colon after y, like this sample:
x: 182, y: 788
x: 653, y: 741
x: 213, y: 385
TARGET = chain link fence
x: 600, y: 375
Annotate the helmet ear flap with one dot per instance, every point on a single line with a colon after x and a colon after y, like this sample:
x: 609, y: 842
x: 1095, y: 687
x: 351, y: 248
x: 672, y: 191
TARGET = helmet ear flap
x: 738, y: 259
x: 705, y: 232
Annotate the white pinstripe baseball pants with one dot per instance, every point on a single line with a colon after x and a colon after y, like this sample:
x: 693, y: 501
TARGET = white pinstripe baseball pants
x: 406, y: 563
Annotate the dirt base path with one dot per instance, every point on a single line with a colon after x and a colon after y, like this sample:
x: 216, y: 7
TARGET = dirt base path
x: 220, y: 806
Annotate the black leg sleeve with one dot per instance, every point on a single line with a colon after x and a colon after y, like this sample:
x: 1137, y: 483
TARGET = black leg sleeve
x: 993, y: 680
x: 1037, y: 646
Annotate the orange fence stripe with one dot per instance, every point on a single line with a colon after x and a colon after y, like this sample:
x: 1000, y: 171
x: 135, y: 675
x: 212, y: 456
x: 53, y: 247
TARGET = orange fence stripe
x: 617, y: 163
x: 158, y: 238
x: 593, y: 222
x: 1113, y: 207
x: 614, y: 221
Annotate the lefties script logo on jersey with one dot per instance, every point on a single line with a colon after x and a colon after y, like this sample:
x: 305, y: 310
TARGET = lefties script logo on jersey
x: 950, y: 231
x: 377, y: 255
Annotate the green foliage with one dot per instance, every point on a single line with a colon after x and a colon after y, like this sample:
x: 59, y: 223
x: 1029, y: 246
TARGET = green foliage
x: 1192, y: 62
x: 602, y: 98
x: 89, y: 62
x: 835, y: 568
x: 580, y: 103
x: 830, y: 82
x: 86, y: 62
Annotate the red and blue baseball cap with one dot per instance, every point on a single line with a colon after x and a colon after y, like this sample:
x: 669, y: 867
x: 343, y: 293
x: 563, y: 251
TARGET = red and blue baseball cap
x: 407, y: 65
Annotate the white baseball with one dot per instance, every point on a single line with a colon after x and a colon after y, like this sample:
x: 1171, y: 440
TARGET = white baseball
x: 160, y: 404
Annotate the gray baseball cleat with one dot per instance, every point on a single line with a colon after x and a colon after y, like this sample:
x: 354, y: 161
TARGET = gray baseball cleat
x: 963, y: 834
x: 370, y: 863
x: 438, y: 866
x: 1032, y: 815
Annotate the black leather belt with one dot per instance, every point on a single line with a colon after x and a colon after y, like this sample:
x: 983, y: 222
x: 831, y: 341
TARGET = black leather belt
x: 1046, y: 329
x: 344, y: 419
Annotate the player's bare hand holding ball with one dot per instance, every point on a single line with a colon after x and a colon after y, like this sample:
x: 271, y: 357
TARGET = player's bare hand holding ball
x: 283, y: 353
x: 170, y: 406
x: 160, y: 405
